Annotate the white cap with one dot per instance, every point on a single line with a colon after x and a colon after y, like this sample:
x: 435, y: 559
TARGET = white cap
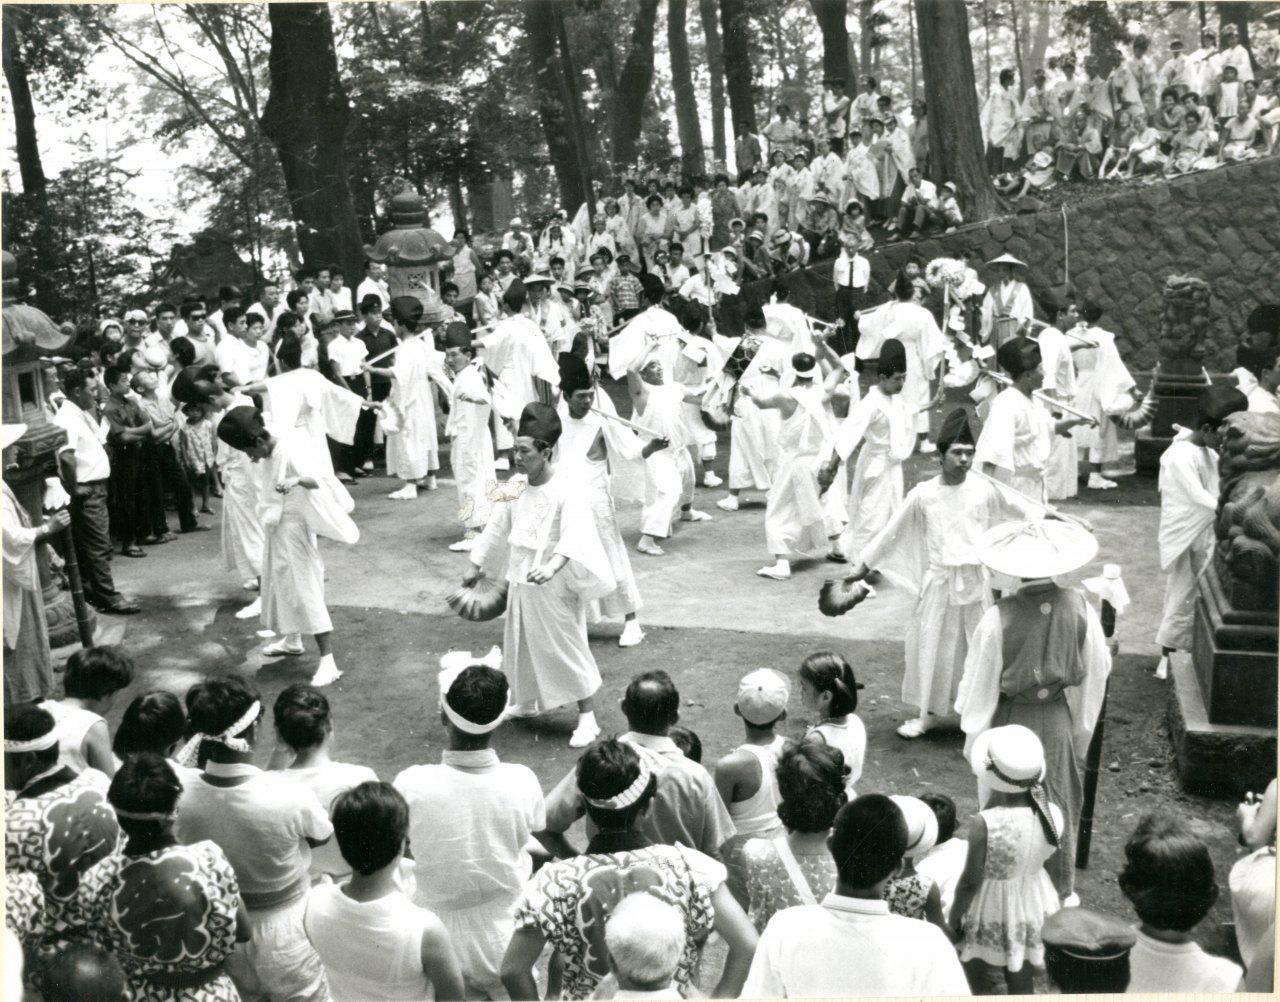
x: 762, y: 696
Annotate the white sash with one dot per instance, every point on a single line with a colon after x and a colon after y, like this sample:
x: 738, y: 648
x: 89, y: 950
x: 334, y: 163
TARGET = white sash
x: 792, y: 867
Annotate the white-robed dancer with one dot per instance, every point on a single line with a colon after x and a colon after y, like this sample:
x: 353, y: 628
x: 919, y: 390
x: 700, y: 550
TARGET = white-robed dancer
x: 879, y: 428
x: 669, y: 478
x: 929, y: 548
x: 471, y: 450
x: 799, y: 517
x: 914, y: 326
x: 1060, y: 383
x: 608, y: 457
x: 413, y: 449
x: 543, y: 541
x: 1104, y: 388
x: 1188, y: 502
x: 517, y: 353
x: 753, y: 435
x: 295, y: 505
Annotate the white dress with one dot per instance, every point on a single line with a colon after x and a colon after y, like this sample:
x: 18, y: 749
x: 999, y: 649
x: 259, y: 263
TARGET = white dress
x: 1002, y: 925
x: 471, y: 451
x: 881, y: 423
x: 545, y: 650
x: 798, y: 519
x: 850, y: 738
x: 414, y: 450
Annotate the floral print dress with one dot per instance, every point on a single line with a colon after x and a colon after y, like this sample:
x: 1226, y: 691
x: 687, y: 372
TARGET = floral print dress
x: 1002, y: 925
x: 170, y: 918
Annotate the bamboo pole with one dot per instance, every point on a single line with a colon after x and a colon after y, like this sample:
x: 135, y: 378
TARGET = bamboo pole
x: 1048, y: 508
x: 639, y: 430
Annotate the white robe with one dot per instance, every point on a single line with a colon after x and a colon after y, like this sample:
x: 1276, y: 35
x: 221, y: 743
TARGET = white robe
x: 304, y: 400
x: 699, y: 358
x: 753, y: 436
x: 242, y: 539
x: 1060, y: 381
x: 924, y: 344
x: 21, y: 576
x: 861, y: 176
x: 881, y: 424
x: 1004, y: 299
x: 929, y: 548
x: 1188, y: 502
x: 545, y: 652
x: 619, y: 477
x: 292, y: 570
x: 798, y: 519
x: 668, y: 472
x: 1102, y: 390
x: 471, y: 445
x: 414, y: 450
x: 653, y: 329
x: 1017, y: 439
x: 788, y: 325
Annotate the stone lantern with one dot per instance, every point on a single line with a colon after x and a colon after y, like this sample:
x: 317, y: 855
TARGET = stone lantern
x: 28, y: 337
x: 411, y: 250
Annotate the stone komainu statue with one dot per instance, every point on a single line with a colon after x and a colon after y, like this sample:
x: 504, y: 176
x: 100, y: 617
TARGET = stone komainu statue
x: 1248, y: 521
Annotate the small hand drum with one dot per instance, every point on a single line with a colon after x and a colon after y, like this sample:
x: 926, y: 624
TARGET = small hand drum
x: 481, y: 602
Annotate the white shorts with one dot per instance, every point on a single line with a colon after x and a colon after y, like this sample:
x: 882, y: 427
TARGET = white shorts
x: 480, y: 936
x: 278, y: 962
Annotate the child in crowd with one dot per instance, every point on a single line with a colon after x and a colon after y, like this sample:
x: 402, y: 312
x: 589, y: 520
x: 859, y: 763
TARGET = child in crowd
x: 305, y: 729
x: 829, y: 691
x: 644, y: 937
x: 92, y: 679
x: 486, y: 301
x: 687, y: 741
x: 1168, y: 878
x: 375, y: 943
x: 908, y: 892
x: 196, y: 450
x: 944, y: 863
x: 1005, y: 892
x: 153, y: 722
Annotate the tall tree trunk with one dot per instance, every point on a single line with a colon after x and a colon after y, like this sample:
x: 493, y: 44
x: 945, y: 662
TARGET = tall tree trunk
x: 955, y: 139
x: 687, y: 124
x: 481, y: 194
x: 708, y: 10
x: 633, y: 87
x: 737, y: 63
x: 24, y: 110
x: 1015, y: 18
x: 306, y: 117
x: 458, y: 205
x: 866, y: 33
x: 1039, y: 38
x: 1237, y: 13
x: 830, y: 15
x: 573, y: 101
x: 911, y: 46
x: 542, y: 39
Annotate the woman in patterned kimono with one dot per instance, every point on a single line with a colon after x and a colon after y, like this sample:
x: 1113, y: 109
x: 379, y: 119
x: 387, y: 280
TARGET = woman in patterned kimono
x: 170, y: 913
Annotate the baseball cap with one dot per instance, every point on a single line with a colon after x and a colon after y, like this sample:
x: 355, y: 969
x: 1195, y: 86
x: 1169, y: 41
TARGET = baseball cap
x: 762, y: 696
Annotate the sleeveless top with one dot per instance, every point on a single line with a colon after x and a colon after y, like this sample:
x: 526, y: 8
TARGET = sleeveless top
x: 72, y: 724
x: 759, y: 812
x: 850, y: 739
x: 370, y: 949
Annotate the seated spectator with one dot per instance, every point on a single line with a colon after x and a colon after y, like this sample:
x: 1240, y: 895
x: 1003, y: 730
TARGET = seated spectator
x: 645, y: 938
x: 790, y: 251
x: 1239, y: 134
x: 756, y: 263
x: 93, y: 677
x: 1086, y: 952
x: 1080, y: 148
x: 865, y: 949
x: 375, y: 943
x: 853, y: 228
x: 1168, y: 878
x: 1168, y: 118
x: 1189, y: 147
x: 919, y: 196
x: 1143, y: 155
x: 949, y: 206
x: 83, y: 972
x: 1118, y: 142
x: 821, y: 228
x: 1252, y: 880
x: 1266, y: 109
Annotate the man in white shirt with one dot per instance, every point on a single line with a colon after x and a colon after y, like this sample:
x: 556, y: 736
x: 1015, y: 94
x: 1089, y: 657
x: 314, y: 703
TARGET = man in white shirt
x: 921, y: 196
x: 84, y: 467
x: 1264, y: 364
x: 374, y: 283
x: 241, y: 354
x: 346, y: 354
x: 850, y: 944
x: 320, y: 299
x: 476, y: 815
x: 1177, y: 71
x: 338, y: 291
x: 1234, y: 54
x: 1206, y: 64
x: 228, y: 296
x: 851, y: 274
x: 269, y: 307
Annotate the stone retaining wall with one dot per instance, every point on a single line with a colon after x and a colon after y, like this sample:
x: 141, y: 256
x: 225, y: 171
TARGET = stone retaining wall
x: 1221, y: 225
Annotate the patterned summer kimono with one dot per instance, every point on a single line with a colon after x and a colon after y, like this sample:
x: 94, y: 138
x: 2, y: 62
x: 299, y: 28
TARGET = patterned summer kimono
x: 882, y: 425
x: 929, y: 548
x: 169, y: 916
x: 1039, y: 658
x: 544, y: 647
x: 798, y: 519
x: 471, y: 452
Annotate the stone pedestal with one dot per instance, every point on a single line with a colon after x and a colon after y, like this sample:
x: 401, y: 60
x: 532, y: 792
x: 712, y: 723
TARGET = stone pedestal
x: 1234, y: 654
x: 1175, y: 404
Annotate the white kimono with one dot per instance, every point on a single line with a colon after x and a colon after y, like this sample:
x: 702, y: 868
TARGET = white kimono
x: 28, y: 673
x: 292, y: 570
x: 882, y: 425
x: 517, y: 353
x: 304, y: 400
x: 788, y: 325
x: 798, y: 519
x: 653, y: 329
x: 925, y: 347
x: 753, y: 436
x: 1016, y: 439
x: 471, y: 445
x: 616, y: 479
x: 829, y: 179
x: 1059, y: 380
x: 699, y: 359
x: 999, y: 121
x: 1188, y: 501
x: 545, y: 652
x: 1102, y: 390
x: 1011, y: 300
x: 668, y: 472
x: 929, y: 548
x: 861, y: 178
x: 241, y: 490
x: 413, y: 451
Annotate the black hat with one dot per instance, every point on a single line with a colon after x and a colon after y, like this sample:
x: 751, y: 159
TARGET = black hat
x: 540, y: 422
x: 893, y: 358
x: 1216, y: 403
x: 1086, y: 951
x: 754, y: 317
x: 241, y: 427
x: 196, y: 384
x: 574, y: 374
x: 341, y: 315
x: 653, y: 287
x: 456, y: 335
x: 406, y: 310
x: 955, y: 428
x: 803, y: 363
x: 1018, y: 355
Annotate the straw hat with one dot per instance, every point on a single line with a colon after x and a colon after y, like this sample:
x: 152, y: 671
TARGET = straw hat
x: 12, y: 432
x: 922, y: 825
x: 1036, y: 549
x: 1008, y: 259
x: 1007, y: 759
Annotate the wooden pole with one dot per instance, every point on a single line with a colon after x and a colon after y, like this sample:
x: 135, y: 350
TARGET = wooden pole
x: 84, y: 624
x: 1093, y: 759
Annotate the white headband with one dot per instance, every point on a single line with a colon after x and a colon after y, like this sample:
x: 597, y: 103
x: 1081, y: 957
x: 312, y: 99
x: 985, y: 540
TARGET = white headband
x: 469, y: 726
x: 187, y: 756
x: 146, y: 815
x: 454, y: 664
x: 628, y: 796
x: 43, y: 742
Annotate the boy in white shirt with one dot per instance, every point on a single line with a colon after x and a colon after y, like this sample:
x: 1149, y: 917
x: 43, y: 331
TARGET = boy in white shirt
x: 1168, y: 878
